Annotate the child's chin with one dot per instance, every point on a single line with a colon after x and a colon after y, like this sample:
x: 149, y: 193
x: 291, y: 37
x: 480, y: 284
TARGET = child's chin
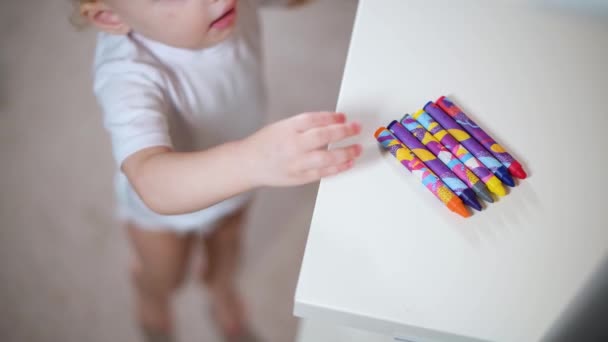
x: 207, y: 42
x: 221, y: 36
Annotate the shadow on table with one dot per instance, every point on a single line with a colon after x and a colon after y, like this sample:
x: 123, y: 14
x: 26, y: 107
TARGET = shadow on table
x: 595, y: 8
x: 370, y: 121
x: 585, y: 317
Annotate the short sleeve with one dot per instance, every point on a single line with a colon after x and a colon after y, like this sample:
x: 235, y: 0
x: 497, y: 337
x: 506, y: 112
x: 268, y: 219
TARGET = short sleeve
x: 134, y: 106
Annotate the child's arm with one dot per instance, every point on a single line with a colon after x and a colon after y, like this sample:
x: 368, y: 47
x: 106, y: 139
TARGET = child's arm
x: 288, y: 152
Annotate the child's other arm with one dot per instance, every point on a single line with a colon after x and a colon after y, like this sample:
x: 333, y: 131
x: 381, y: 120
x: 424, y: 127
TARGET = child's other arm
x: 288, y: 152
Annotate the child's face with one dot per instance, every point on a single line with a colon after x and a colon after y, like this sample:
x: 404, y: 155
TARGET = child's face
x: 191, y: 24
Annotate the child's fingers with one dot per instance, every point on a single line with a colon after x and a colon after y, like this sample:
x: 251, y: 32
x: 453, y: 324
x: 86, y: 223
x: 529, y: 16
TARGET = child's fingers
x: 306, y: 121
x: 321, y: 159
x: 316, y: 174
x: 319, y: 137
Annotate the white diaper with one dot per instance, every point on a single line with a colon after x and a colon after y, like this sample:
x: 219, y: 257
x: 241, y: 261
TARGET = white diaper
x: 131, y: 208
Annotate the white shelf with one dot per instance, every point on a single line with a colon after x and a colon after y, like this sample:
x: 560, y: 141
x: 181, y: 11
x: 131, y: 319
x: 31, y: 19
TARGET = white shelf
x: 384, y: 255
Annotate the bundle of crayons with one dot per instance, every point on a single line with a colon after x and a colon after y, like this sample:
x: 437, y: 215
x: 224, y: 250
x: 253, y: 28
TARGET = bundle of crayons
x: 452, y: 156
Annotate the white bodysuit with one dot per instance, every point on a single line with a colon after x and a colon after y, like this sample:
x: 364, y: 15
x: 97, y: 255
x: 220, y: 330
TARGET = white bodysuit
x: 152, y: 94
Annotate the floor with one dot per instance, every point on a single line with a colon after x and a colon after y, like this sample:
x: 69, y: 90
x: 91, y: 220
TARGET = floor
x: 63, y: 258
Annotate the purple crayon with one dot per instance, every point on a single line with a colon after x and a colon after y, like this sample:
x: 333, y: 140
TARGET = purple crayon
x: 492, y: 182
x: 418, y: 169
x: 448, y: 177
x: 469, y: 143
x: 450, y: 160
x: 484, y: 138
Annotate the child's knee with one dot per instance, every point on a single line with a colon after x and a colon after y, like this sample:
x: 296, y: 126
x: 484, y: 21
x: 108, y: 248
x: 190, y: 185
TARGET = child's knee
x: 136, y: 271
x: 155, y: 283
x: 169, y: 284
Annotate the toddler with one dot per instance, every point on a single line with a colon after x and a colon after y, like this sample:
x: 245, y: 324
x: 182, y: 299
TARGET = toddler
x: 180, y: 84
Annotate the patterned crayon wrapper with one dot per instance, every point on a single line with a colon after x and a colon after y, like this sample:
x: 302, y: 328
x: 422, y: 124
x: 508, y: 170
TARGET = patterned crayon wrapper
x: 440, y: 151
x: 453, y: 145
x: 463, y: 137
x: 436, y: 165
x: 474, y: 130
x: 477, y: 132
x: 407, y: 158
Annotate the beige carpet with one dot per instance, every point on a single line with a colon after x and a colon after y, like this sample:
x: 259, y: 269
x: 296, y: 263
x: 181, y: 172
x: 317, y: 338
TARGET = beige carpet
x: 63, y: 258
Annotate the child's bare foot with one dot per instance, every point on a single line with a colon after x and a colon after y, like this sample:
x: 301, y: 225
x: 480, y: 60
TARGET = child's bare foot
x: 155, y: 336
x: 228, y: 312
x: 155, y: 322
x: 154, y: 316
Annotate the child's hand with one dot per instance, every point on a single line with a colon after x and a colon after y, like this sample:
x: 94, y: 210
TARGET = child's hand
x: 293, y: 151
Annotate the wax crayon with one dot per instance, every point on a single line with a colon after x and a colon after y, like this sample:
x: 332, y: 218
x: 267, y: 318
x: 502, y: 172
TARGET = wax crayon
x: 467, y: 141
x: 407, y: 158
x: 481, y: 136
x: 442, y: 153
x: 492, y: 182
x: 448, y: 177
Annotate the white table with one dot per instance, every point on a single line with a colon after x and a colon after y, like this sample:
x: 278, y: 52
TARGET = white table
x: 383, y: 254
x: 318, y: 331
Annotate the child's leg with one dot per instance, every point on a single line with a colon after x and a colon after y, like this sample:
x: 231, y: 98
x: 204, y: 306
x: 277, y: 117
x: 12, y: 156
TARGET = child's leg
x: 222, y: 247
x: 161, y: 259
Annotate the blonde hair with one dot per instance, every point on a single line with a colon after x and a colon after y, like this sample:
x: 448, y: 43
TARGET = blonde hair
x: 76, y: 18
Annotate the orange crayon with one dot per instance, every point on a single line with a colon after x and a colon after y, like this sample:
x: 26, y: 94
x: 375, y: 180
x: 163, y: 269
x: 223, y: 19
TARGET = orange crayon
x: 431, y: 181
